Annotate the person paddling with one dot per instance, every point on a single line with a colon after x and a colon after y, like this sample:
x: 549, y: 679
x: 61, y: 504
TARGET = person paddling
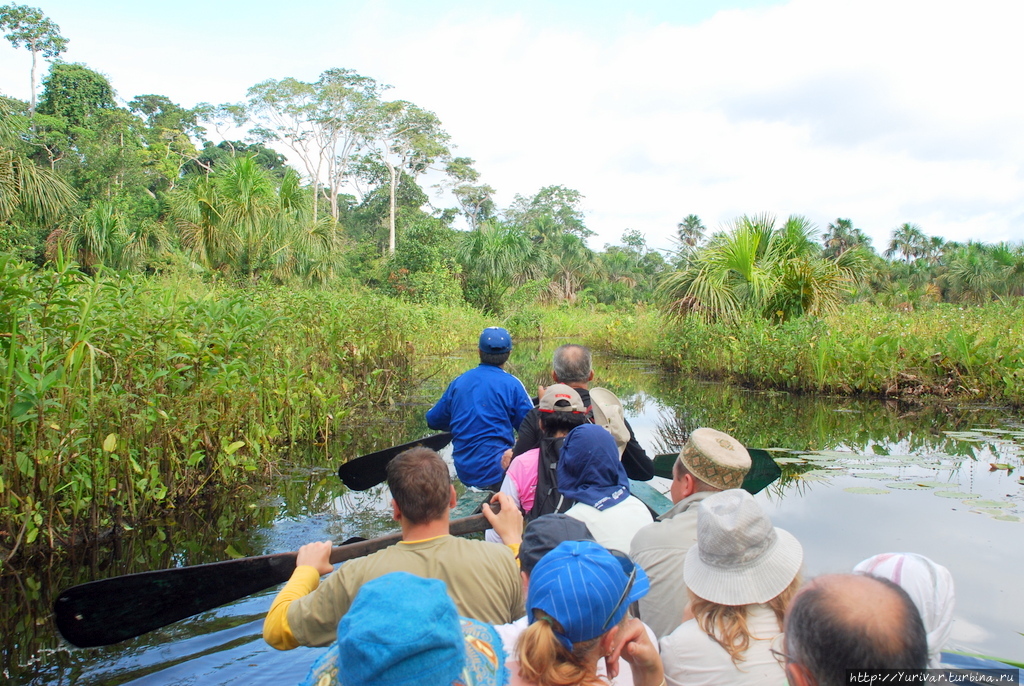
x: 482, y: 408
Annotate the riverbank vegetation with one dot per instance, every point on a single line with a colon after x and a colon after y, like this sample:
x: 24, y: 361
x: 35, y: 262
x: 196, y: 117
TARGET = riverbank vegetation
x: 186, y: 289
x: 129, y: 395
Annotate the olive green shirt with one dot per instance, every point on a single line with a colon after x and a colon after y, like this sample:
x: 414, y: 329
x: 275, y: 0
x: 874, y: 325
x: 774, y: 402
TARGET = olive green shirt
x: 482, y: 578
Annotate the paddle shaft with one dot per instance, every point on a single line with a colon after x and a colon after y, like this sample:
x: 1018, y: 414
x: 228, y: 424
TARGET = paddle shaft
x: 108, y: 611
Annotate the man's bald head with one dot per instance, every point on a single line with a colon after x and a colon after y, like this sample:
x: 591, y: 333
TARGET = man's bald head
x: 846, y: 621
x: 571, y: 364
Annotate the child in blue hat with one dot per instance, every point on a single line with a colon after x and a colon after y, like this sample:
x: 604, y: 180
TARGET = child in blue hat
x: 577, y: 602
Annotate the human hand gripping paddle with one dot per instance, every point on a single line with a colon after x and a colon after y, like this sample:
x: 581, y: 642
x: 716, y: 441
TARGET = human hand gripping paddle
x: 108, y: 611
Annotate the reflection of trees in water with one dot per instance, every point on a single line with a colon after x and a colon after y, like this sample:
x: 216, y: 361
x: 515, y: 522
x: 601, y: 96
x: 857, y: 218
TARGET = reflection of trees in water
x: 184, y: 537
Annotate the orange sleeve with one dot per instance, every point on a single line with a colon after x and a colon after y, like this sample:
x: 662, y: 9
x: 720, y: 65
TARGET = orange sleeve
x: 276, y: 631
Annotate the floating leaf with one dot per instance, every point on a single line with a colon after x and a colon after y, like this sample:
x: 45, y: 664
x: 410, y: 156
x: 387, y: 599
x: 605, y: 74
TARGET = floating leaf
x: 110, y: 443
x: 873, y: 475
x: 934, y: 484
x: 1007, y: 518
x: 956, y: 494
x: 991, y: 503
x: 866, y: 490
x: 908, y: 486
x: 994, y: 511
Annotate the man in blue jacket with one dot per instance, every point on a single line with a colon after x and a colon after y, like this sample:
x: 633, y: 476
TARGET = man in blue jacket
x: 481, y: 408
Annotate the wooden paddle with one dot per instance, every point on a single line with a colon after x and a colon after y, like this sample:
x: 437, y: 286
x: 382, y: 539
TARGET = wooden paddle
x: 763, y: 469
x: 367, y: 471
x: 103, y: 612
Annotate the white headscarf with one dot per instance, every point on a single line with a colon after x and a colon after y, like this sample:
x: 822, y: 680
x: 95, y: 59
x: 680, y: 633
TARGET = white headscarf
x: 928, y: 584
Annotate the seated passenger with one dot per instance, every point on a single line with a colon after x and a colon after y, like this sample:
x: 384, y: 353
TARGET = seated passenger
x: 928, y: 584
x: 403, y: 629
x: 741, y: 575
x: 590, y: 473
x: 542, y: 536
x: 576, y: 603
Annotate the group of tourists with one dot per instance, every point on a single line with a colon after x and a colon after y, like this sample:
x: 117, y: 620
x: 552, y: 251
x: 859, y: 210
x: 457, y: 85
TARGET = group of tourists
x: 577, y: 583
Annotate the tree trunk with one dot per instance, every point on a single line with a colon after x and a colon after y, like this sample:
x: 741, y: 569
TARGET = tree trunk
x: 391, y: 217
x: 32, y: 106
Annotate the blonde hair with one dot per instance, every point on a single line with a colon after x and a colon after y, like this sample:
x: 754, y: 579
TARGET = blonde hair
x: 544, y: 661
x: 727, y: 624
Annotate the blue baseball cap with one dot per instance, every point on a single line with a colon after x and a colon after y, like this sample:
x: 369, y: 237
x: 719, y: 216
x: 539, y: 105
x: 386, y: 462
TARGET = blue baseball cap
x: 495, y: 340
x: 585, y: 588
x: 404, y: 630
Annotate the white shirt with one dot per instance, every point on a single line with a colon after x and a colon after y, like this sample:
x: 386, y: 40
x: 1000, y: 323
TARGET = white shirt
x: 615, y: 526
x: 693, y: 658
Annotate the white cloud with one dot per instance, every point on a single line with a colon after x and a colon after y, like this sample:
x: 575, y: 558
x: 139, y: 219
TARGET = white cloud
x: 881, y: 111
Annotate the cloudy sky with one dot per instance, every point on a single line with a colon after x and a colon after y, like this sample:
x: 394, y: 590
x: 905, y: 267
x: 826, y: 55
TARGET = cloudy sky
x: 882, y: 111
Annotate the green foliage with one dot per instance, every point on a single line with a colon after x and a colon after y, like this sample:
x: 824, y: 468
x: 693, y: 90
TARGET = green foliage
x: 554, y: 209
x: 127, y: 396
x: 756, y: 267
x: 945, y: 351
x: 74, y: 92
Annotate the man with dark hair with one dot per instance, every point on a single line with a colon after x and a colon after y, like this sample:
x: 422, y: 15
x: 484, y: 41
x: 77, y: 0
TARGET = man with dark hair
x: 571, y: 365
x: 851, y: 621
x: 482, y: 577
x: 710, y: 462
x: 482, y: 408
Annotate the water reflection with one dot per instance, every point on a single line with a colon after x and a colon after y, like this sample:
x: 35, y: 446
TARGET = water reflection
x: 832, y: 445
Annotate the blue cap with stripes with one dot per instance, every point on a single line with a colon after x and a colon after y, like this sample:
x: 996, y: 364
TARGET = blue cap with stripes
x: 585, y: 588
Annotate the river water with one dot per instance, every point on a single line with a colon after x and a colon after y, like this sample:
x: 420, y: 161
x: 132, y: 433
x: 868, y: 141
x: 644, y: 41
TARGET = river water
x: 860, y: 477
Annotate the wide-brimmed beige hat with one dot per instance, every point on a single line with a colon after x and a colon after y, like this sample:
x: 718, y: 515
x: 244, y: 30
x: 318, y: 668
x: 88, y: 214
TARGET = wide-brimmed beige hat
x: 739, y: 557
x: 715, y: 458
x: 608, y: 413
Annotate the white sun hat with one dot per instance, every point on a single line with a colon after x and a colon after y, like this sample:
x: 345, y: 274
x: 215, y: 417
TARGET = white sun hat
x: 739, y: 557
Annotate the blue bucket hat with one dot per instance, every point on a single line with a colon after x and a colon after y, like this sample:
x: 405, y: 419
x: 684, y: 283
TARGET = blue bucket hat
x: 589, y: 469
x: 495, y: 340
x: 403, y: 630
x: 585, y: 588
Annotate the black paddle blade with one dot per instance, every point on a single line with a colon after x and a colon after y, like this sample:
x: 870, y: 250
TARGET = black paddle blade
x: 107, y: 611
x: 367, y: 471
x: 763, y: 469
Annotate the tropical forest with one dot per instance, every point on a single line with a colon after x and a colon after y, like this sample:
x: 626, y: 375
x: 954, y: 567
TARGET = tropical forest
x: 194, y: 295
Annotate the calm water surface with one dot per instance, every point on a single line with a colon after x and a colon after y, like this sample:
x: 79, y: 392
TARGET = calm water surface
x: 860, y: 477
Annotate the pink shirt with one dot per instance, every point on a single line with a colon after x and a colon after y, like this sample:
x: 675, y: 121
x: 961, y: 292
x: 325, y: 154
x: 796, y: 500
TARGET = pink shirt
x: 523, y: 475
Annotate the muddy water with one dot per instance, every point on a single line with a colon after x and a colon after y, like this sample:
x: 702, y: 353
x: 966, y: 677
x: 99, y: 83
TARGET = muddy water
x: 860, y: 477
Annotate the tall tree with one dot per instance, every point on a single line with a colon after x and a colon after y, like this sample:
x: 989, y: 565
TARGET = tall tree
x: 28, y: 27
x: 475, y: 200
x: 404, y: 138
x: 560, y: 205
x: 908, y: 240
x: 690, y: 231
x: 323, y: 123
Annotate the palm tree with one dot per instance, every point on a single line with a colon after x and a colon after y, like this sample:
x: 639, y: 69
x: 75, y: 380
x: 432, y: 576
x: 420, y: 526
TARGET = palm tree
x: 494, y: 257
x: 99, y: 238
x: 908, y: 240
x: 754, y: 266
x: 690, y: 231
x: 568, y: 261
x: 24, y: 186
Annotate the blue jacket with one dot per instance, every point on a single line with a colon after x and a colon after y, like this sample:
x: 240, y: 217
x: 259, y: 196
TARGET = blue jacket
x: 481, y: 407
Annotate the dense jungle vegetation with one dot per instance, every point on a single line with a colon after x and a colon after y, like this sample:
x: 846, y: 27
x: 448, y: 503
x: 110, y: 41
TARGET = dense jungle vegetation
x: 179, y: 297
